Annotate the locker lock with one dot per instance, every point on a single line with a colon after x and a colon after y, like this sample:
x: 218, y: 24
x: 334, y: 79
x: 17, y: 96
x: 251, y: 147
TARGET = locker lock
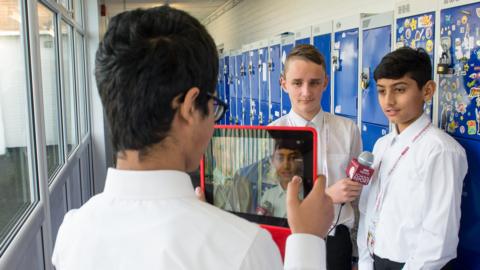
x: 260, y: 118
x: 336, y: 59
x: 270, y: 65
x: 365, y: 78
x: 250, y: 68
x: 445, y: 61
x: 242, y: 69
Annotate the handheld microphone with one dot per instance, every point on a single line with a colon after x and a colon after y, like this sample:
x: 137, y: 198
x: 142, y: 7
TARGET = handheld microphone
x: 360, y: 170
x: 265, y: 209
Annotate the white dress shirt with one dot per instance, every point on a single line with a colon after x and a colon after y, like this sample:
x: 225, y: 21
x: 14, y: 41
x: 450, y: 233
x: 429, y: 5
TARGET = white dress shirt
x: 419, y: 218
x: 276, y: 199
x: 339, y: 141
x: 153, y: 220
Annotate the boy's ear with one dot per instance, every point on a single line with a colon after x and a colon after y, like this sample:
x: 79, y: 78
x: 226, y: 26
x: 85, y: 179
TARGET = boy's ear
x: 186, y: 109
x: 325, y: 83
x: 283, y: 82
x: 429, y: 90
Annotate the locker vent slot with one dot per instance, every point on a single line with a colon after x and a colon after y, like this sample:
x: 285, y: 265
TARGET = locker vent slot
x: 402, y: 9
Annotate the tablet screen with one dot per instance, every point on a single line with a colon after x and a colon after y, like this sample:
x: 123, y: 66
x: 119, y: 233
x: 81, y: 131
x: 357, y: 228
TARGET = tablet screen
x: 246, y: 170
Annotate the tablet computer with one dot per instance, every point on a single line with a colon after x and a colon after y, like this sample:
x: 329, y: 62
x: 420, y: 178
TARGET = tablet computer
x: 246, y: 170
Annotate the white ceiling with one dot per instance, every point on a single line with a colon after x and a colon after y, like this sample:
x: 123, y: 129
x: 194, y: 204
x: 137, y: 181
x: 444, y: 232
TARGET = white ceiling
x: 200, y: 9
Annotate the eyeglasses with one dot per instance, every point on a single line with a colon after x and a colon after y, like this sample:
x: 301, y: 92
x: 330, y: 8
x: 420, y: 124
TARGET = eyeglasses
x: 219, y: 107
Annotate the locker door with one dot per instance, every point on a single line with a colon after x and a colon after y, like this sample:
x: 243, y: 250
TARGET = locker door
x: 346, y: 75
x: 274, y: 81
x: 240, y: 67
x: 371, y: 133
x: 376, y: 43
x: 246, y: 104
x: 286, y: 105
x: 322, y: 43
x: 254, y: 88
x: 302, y: 41
x: 470, y: 220
x: 226, y: 83
x: 459, y: 115
x: 232, y: 79
x: 220, y: 84
x: 263, y: 83
x: 459, y: 93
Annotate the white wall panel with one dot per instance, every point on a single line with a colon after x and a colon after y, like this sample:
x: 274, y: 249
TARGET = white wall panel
x: 254, y: 20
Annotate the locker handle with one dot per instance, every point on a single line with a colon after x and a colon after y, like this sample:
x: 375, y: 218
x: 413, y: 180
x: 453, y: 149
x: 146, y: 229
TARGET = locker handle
x: 365, y: 78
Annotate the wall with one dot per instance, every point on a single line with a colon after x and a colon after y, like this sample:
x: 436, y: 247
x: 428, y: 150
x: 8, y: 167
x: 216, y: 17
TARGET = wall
x: 253, y: 20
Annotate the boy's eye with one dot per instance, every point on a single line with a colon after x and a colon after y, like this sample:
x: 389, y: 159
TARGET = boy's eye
x: 400, y: 89
x: 297, y: 83
x: 381, y: 91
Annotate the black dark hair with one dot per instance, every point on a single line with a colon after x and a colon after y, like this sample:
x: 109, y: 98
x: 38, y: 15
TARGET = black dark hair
x: 293, y: 144
x: 415, y: 63
x: 147, y: 58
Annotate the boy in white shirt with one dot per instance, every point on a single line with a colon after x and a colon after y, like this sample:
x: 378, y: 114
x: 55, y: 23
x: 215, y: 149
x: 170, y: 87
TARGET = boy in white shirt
x: 410, y: 211
x: 156, y: 72
x: 287, y: 161
x: 339, y: 140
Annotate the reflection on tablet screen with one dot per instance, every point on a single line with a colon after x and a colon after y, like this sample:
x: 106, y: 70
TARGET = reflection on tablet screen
x: 246, y: 170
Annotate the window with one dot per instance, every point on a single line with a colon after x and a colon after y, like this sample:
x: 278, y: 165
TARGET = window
x: 51, y: 95
x: 80, y: 73
x: 64, y: 3
x: 78, y: 11
x: 16, y: 186
x: 68, y: 87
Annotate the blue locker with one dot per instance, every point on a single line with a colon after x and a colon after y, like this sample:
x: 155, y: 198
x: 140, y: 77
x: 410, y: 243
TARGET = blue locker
x: 240, y: 68
x: 376, y: 44
x: 459, y: 93
x: 469, y: 248
x: 346, y: 73
x: 274, y: 65
x: 226, y: 83
x: 263, y: 84
x: 254, y: 87
x: 302, y: 36
x: 302, y: 41
x: 418, y: 31
x: 286, y: 104
x: 371, y: 133
x: 220, y: 83
x: 459, y: 115
x: 232, y: 83
x: 246, y: 104
x: 323, y: 43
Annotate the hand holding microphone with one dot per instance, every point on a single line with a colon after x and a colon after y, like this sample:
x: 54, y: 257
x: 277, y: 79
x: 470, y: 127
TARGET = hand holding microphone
x: 266, y: 209
x: 358, y: 172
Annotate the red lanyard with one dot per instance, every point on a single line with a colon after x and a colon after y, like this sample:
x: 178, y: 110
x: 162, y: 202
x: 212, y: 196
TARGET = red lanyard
x: 380, y: 194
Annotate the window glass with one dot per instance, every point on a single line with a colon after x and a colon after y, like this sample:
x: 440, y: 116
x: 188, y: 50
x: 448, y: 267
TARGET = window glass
x: 64, y: 3
x: 51, y: 97
x: 80, y: 73
x: 68, y: 87
x: 15, y: 177
x: 78, y: 11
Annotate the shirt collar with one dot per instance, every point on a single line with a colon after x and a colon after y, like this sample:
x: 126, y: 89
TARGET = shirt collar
x: 159, y: 184
x: 317, y: 120
x: 412, y: 130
